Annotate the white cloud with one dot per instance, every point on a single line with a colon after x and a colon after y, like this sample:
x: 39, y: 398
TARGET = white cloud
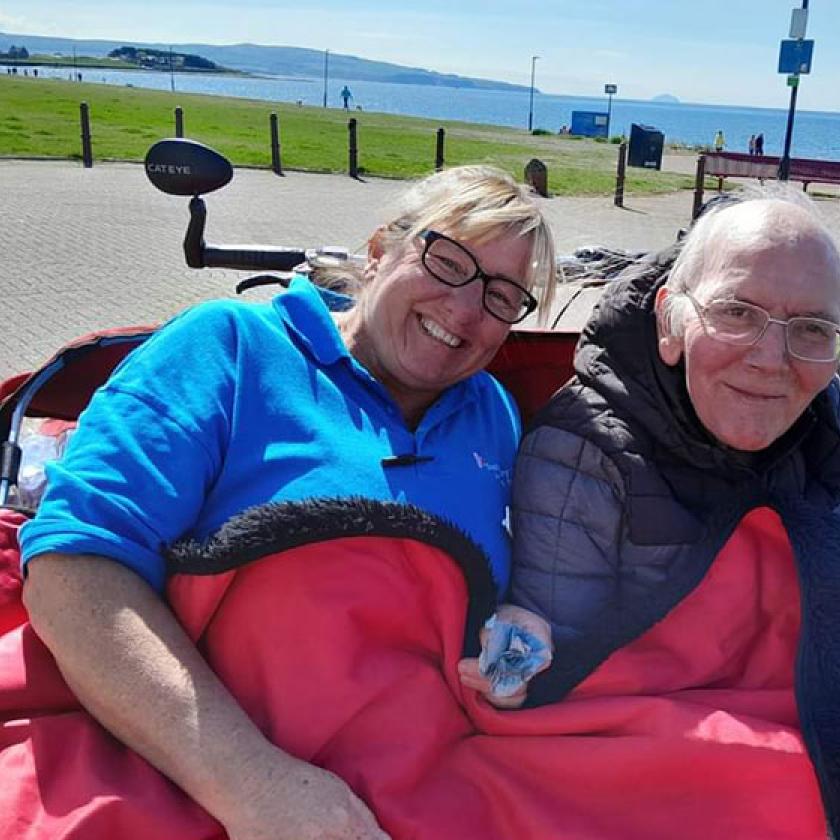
x: 390, y: 37
x: 611, y: 55
x: 14, y: 23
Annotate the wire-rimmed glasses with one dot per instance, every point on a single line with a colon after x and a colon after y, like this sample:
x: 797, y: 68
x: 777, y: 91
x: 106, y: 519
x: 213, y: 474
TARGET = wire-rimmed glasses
x: 736, y: 322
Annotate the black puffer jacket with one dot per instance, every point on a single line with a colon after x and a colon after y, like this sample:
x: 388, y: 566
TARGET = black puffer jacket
x: 622, y: 501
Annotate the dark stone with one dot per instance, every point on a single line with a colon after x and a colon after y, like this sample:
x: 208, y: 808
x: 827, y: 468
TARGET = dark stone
x: 536, y: 176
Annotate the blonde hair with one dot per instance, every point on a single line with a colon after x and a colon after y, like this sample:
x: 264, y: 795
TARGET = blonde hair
x: 476, y: 204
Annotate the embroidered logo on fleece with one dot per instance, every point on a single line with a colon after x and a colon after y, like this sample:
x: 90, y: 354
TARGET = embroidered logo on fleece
x: 502, y: 476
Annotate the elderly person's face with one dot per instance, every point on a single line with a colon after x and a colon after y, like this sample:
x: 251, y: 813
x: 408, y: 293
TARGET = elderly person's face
x: 418, y: 335
x: 777, y: 259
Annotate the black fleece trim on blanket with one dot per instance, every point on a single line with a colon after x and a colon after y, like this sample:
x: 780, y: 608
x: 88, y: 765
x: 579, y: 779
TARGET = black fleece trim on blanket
x: 279, y: 526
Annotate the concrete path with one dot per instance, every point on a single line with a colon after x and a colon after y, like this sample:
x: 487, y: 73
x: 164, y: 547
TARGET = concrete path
x: 82, y: 250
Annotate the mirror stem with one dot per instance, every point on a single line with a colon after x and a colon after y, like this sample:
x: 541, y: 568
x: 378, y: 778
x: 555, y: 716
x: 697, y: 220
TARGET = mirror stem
x: 194, y: 238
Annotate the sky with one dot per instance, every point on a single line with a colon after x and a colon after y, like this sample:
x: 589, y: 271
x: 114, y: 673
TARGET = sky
x: 715, y: 51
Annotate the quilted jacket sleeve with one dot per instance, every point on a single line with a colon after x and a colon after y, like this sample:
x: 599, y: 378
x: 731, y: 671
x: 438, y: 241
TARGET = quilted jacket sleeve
x: 568, y: 502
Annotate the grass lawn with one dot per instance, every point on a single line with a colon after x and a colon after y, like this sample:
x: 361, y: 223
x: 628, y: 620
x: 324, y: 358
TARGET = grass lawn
x: 40, y: 118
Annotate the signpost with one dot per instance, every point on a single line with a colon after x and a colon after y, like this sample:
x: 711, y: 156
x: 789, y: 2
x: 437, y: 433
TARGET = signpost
x: 794, y: 59
x: 610, y: 91
x: 326, y: 74
x: 531, y: 102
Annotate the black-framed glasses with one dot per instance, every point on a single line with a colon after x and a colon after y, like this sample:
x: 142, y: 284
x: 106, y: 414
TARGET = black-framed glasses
x: 452, y: 264
x: 736, y: 322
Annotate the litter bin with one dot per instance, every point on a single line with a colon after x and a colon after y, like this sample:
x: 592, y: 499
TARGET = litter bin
x: 645, y: 149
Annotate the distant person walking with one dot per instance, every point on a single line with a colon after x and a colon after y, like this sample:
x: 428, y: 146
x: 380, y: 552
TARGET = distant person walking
x: 752, y: 144
x: 346, y: 96
x: 759, y: 144
x: 720, y: 141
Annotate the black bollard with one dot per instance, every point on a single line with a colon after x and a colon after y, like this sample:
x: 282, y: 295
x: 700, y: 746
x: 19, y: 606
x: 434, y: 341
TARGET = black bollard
x: 620, y: 174
x: 441, y: 135
x: 179, y: 121
x: 87, y: 150
x: 276, y: 166
x: 353, y: 164
x: 699, y: 181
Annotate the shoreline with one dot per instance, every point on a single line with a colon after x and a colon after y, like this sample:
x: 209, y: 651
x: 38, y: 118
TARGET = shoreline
x: 79, y: 66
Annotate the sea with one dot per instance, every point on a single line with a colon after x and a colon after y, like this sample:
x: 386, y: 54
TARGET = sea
x: 816, y: 133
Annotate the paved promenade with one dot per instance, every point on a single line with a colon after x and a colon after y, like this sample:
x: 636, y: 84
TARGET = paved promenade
x: 87, y: 249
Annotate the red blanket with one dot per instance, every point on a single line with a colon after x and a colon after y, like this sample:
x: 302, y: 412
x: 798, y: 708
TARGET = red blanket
x: 345, y: 654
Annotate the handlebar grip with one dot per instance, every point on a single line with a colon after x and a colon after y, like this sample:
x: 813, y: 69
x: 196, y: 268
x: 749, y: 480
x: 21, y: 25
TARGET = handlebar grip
x: 246, y: 257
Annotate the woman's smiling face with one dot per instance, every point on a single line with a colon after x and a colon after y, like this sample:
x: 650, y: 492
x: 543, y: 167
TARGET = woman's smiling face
x: 417, y: 335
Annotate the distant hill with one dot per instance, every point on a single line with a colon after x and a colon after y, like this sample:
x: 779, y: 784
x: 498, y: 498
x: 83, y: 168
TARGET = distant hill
x: 665, y: 97
x: 280, y: 61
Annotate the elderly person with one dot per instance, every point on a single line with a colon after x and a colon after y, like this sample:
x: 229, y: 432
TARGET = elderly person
x: 232, y: 405
x: 674, y: 521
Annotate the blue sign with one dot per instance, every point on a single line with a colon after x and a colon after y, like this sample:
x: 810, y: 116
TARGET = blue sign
x: 795, y: 56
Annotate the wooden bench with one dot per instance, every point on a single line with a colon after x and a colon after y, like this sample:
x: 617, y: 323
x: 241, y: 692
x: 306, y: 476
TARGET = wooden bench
x: 739, y: 165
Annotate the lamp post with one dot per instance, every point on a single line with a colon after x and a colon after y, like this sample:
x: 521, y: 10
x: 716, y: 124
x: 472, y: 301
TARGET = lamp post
x: 531, y: 102
x: 326, y: 73
x: 797, y: 31
x: 610, y: 90
x: 171, y: 72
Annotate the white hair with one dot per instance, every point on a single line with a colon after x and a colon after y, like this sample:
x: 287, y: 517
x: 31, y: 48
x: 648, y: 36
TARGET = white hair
x: 721, y: 225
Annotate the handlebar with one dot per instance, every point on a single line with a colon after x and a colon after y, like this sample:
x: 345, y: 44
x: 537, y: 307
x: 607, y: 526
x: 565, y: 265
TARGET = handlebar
x: 178, y: 166
x: 243, y: 257
x: 247, y: 257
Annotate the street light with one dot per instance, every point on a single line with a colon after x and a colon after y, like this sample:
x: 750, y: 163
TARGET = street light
x: 326, y: 73
x: 531, y: 104
x: 798, y: 48
x: 610, y: 90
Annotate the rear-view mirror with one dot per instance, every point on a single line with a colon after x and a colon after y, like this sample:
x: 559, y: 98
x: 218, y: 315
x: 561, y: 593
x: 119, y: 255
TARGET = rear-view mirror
x: 185, y: 167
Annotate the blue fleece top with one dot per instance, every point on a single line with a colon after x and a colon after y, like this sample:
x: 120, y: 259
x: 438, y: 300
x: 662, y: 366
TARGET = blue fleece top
x: 235, y: 404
